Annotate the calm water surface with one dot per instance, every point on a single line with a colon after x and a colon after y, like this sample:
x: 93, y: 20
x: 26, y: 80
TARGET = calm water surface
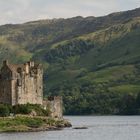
x: 99, y: 128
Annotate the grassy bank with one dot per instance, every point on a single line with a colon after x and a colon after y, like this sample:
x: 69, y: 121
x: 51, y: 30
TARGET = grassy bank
x: 31, y: 124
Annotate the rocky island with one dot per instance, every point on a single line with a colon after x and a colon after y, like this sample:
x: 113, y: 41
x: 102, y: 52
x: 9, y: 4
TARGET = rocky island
x: 22, y: 106
x: 31, y: 124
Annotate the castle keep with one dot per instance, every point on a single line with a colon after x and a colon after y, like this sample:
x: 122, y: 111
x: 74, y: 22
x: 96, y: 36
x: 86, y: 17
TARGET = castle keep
x: 21, y: 84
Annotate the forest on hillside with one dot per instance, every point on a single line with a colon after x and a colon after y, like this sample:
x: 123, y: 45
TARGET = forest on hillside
x: 93, y: 62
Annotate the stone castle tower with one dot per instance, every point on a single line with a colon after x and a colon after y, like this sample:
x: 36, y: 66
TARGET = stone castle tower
x: 21, y: 84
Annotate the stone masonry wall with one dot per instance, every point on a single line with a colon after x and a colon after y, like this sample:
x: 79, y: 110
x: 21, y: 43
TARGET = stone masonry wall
x: 30, y: 90
x: 5, y: 86
x: 56, y: 106
x: 21, y: 84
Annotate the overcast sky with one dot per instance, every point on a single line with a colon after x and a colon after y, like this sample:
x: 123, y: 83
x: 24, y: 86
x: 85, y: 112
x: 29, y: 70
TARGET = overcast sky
x: 19, y: 11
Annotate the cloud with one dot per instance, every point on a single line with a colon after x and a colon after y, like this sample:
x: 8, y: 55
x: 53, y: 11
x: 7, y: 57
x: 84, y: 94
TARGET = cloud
x: 18, y: 11
x: 12, y: 10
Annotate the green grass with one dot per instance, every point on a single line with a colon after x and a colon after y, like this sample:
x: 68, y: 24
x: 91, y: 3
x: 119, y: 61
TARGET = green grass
x: 128, y: 89
x: 20, y: 123
x: 26, y: 123
x: 111, y: 73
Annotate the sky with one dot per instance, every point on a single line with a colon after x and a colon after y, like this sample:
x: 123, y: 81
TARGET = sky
x: 20, y: 11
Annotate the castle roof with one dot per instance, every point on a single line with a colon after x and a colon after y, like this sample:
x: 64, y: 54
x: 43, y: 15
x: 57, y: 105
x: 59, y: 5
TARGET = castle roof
x: 23, y: 67
x: 14, y: 67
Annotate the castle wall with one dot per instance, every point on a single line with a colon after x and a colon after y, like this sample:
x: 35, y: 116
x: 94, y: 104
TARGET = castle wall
x: 5, y: 86
x: 30, y: 90
x: 55, y: 105
x: 5, y: 93
x: 21, y: 84
x: 13, y: 92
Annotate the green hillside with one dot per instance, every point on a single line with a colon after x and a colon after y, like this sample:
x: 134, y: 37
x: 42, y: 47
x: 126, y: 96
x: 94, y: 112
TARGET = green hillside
x: 93, y: 62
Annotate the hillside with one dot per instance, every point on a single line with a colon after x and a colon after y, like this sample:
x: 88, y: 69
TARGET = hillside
x: 93, y: 62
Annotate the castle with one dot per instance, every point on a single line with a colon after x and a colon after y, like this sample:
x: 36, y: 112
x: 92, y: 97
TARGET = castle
x: 23, y: 83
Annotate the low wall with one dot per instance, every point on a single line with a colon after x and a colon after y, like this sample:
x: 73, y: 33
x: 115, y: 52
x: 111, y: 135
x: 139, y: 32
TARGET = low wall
x: 55, y: 105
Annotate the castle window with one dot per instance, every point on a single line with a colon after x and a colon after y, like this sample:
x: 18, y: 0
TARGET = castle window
x: 19, y: 70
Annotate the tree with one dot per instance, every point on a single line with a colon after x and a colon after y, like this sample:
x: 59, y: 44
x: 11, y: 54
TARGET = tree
x: 128, y: 105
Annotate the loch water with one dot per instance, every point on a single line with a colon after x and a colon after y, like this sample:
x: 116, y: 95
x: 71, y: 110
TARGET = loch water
x: 99, y: 128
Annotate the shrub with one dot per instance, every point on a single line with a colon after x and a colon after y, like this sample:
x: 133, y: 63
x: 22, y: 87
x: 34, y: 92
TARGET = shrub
x: 46, y: 112
x: 28, y: 108
x: 4, y: 110
x: 39, y: 110
x: 31, y: 122
x: 21, y: 109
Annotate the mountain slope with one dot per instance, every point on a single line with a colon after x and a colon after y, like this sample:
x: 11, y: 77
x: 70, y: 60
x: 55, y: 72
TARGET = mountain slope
x: 93, y: 62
